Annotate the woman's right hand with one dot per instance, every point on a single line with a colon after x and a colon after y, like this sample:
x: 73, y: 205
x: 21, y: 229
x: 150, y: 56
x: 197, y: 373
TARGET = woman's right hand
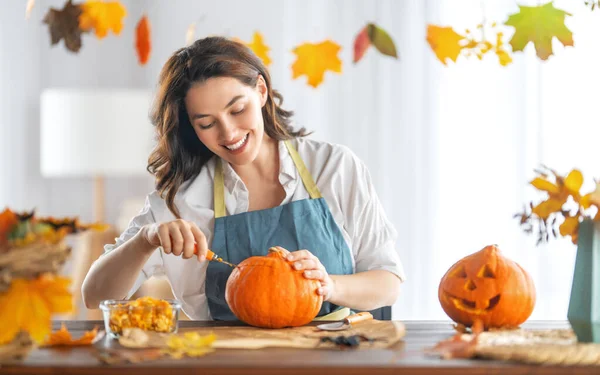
x: 178, y: 237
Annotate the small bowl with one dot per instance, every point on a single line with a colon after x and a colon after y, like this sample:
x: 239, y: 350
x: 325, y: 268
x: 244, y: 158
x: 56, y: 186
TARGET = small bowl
x: 121, y: 314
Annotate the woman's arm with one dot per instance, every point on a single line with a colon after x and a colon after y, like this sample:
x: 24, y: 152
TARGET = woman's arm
x: 114, y: 273
x: 367, y: 290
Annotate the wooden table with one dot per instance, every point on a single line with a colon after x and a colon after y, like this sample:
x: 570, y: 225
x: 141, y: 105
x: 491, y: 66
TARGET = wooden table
x: 407, y: 357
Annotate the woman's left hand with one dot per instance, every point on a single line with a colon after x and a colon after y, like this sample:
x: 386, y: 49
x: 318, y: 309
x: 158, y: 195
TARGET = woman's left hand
x: 313, y: 269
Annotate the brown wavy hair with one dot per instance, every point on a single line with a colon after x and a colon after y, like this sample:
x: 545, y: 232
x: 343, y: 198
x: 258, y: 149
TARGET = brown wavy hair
x: 179, y: 155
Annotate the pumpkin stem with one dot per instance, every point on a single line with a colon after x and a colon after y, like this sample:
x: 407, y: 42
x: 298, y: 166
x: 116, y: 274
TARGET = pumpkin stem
x: 277, y: 250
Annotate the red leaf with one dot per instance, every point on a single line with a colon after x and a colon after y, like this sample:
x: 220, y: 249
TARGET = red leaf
x: 143, y: 44
x: 361, y: 44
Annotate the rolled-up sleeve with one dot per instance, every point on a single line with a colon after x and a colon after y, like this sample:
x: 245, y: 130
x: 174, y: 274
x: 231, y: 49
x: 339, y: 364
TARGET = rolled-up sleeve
x: 154, y: 264
x: 373, y: 235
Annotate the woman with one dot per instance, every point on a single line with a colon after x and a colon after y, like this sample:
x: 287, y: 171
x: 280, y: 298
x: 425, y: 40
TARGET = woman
x: 231, y: 172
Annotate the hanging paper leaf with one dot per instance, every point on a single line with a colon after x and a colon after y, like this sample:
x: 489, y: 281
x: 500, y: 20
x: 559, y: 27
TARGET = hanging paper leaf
x: 259, y: 48
x: 29, y: 304
x: 102, y: 16
x: 190, y: 34
x: 29, y: 8
x: 382, y: 40
x: 376, y: 36
x: 313, y: 60
x: 143, y: 44
x: 62, y: 337
x: 64, y: 24
x: 361, y: 44
x: 539, y: 25
x: 445, y: 42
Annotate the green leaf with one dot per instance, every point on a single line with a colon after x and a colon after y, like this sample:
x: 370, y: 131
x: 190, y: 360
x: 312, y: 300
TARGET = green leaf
x: 539, y: 25
x: 382, y: 40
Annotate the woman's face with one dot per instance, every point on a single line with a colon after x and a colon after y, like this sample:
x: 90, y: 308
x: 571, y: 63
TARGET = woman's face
x: 227, y: 117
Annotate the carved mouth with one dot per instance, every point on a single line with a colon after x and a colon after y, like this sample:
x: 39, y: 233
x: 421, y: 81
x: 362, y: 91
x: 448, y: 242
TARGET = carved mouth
x: 471, y: 307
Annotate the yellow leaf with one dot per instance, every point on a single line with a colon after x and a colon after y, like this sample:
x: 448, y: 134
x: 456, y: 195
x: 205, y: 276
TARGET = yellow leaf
x: 260, y: 49
x: 190, y: 344
x: 28, y: 305
x: 445, y: 42
x: 595, y: 196
x: 313, y: 60
x: 574, y: 181
x: 547, y: 207
x: 569, y: 226
x: 102, y: 16
x: 545, y: 185
x: 62, y: 337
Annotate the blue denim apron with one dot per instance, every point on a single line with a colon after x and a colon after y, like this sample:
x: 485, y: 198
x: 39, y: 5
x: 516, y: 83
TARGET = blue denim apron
x: 304, y: 224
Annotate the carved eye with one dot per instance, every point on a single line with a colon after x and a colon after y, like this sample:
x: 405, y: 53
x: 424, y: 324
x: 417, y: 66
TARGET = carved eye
x: 486, y: 272
x: 459, y: 272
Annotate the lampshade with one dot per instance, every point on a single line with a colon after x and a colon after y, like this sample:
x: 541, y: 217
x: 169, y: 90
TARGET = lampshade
x: 90, y: 132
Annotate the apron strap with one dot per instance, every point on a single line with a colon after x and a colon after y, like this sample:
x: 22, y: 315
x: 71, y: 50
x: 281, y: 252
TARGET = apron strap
x: 219, y: 184
x: 307, y: 179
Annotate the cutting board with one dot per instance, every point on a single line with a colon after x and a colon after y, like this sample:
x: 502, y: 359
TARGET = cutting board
x: 381, y: 334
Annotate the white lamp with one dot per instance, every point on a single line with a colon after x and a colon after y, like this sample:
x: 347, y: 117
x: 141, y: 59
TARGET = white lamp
x: 97, y: 133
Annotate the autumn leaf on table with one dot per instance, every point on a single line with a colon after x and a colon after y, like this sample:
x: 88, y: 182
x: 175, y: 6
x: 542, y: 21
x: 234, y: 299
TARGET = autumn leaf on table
x: 539, y: 25
x: 313, y: 60
x: 62, y: 337
x: 376, y: 36
x: 190, y: 344
x: 64, y: 24
x: 28, y: 305
x: 143, y: 44
x: 8, y: 220
x: 445, y: 42
x: 102, y: 16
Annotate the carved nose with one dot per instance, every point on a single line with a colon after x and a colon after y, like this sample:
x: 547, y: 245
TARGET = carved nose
x: 470, y: 285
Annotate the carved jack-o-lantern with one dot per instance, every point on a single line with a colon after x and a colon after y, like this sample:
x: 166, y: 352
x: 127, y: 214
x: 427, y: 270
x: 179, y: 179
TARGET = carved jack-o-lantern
x: 488, y: 287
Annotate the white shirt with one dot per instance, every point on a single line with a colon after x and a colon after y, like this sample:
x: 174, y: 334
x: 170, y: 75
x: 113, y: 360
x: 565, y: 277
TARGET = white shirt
x: 343, y: 180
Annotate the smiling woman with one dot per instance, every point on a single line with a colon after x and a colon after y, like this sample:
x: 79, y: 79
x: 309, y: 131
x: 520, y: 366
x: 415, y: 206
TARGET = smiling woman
x: 231, y: 172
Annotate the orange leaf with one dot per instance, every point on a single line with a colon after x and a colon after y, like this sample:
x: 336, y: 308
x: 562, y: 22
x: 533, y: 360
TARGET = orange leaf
x: 143, y: 44
x: 313, y: 60
x: 569, y: 226
x: 547, y: 207
x: 361, y: 44
x: 573, y: 182
x: 63, y: 337
x: 445, y: 42
x: 8, y: 220
x: 29, y: 304
x: 102, y: 16
x: 545, y: 185
x: 260, y: 49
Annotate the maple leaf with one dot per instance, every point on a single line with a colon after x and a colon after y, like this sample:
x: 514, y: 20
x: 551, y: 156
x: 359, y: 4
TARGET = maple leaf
x: 378, y: 37
x: 445, y: 42
x: 190, y: 344
x: 8, y: 220
x: 64, y: 24
x: 62, y: 337
x: 143, y: 44
x: 313, y: 60
x: 29, y: 304
x: 260, y: 49
x: 539, y: 25
x: 102, y: 16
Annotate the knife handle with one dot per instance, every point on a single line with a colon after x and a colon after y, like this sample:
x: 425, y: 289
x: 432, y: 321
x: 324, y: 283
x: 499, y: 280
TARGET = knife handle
x: 209, y: 256
x: 359, y: 317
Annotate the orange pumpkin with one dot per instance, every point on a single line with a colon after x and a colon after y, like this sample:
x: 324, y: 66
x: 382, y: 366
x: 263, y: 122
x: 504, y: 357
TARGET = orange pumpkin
x: 266, y: 291
x: 487, y: 286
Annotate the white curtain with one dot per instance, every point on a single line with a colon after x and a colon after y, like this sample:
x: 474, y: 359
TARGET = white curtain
x: 450, y: 149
